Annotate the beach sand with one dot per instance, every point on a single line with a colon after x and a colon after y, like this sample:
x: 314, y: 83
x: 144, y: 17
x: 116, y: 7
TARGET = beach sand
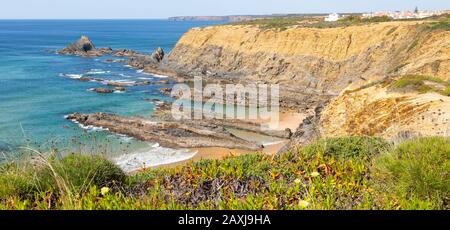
x: 287, y: 120
x: 216, y: 153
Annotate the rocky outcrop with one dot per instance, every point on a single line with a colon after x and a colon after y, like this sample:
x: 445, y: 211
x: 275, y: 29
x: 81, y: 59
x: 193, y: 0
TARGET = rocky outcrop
x: 84, y: 47
x: 126, y: 84
x: 158, y: 55
x: 101, y: 90
x: 170, y: 134
x: 125, y: 53
x: 142, y: 61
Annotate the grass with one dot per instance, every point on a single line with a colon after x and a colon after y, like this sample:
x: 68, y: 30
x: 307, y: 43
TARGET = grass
x: 418, y: 172
x: 436, y: 23
x: 421, y: 83
x: 338, y: 173
x: 439, y: 23
x: 311, y: 22
x: 65, y: 178
x: 274, y: 23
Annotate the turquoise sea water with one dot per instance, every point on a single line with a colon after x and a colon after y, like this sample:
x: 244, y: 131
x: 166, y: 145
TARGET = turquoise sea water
x: 36, y: 94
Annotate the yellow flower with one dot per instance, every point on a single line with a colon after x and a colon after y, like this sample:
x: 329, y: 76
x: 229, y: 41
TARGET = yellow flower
x: 303, y: 204
x: 315, y: 174
x: 297, y: 181
x: 104, y: 191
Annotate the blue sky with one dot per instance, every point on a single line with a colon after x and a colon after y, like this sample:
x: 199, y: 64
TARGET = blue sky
x: 90, y: 9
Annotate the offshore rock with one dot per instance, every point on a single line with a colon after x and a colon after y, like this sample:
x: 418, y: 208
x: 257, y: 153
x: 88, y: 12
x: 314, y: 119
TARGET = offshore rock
x: 84, y: 47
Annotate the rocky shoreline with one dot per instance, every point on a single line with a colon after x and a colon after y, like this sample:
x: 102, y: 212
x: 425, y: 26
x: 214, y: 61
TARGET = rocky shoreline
x: 167, y: 133
x: 161, y: 128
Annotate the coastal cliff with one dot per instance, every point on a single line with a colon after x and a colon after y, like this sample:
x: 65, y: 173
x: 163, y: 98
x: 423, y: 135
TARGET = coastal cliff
x: 324, y: 59
x: 388, y: 79
x: 323, y: 63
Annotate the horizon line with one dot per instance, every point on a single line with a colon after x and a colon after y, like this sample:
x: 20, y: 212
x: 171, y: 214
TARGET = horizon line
x: 229, y: 15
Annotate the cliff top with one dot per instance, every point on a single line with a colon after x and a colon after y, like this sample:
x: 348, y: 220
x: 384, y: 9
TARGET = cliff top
x: 318, y: 22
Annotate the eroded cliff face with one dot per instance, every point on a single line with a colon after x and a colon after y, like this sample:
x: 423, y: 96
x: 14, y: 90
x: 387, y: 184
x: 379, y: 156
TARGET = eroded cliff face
x: 380, y: 111
x: 327, y: 60
x: 319, y: 66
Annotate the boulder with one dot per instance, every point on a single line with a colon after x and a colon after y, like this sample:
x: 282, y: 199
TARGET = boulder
x: 125, y: 53
x: 158, y: 54
x: 102, y: 90
x: 166, y: 91
x: 120, y: 89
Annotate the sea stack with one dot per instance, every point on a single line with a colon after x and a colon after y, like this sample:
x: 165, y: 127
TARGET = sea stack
x: 84, y: 47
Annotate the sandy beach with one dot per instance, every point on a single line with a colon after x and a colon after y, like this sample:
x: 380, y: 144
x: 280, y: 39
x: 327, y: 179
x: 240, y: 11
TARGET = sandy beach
x: 287, y: 120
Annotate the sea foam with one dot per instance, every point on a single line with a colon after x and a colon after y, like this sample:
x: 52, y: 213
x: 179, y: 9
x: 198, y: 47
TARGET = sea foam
x: 97, y: 71
x: 154, y: 156
x: 73, y: 76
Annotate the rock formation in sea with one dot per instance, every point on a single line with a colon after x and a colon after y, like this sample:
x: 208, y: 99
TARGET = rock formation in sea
x: 102, y: 90
x: 142, y: 61
x: 84, y: 47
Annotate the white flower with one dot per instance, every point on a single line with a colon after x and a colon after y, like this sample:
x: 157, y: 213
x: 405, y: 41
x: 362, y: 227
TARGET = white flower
x: 315, y: 174
x: 297, y: 181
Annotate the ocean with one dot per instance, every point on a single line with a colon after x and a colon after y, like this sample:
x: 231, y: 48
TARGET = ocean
x: 37, y: 86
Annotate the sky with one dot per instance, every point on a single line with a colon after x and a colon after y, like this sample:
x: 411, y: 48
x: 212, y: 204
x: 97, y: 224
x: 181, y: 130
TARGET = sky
x: 134, y: 9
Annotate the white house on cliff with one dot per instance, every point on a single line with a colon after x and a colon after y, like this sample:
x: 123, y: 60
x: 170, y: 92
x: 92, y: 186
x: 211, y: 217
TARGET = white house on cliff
x: 332, y: 17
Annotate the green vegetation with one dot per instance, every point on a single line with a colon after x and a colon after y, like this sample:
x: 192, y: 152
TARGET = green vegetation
x: 337, y: 173
x: 418, y: 170
x: 422, y: 84
x: 360, y: 20
x: 311, y: 22
x: 443, y: 25
x: 346, y: 148
x: 432, y: 23
x: 275, y: 23
x: 440, y: 23
x: 73, y: 175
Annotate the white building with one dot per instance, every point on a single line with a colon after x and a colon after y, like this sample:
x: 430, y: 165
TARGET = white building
x: 332, y: 17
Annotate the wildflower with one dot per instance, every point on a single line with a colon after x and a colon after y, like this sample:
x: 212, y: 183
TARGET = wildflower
x: 303, y: 204
x: 315, y: 174
x: 297, y: 181
x: 104, y: 191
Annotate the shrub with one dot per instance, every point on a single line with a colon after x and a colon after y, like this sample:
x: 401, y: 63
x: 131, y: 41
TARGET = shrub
x: 80, y: 172
x: 417, y: 172
x: 349, y: 147
x: 443, y: 26
x: 73, y: 174
x: 14, y: 181
x: 418, y: 83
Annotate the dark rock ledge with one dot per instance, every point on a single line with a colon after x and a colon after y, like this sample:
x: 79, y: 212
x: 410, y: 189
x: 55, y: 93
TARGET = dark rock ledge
x: 166, y: 133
